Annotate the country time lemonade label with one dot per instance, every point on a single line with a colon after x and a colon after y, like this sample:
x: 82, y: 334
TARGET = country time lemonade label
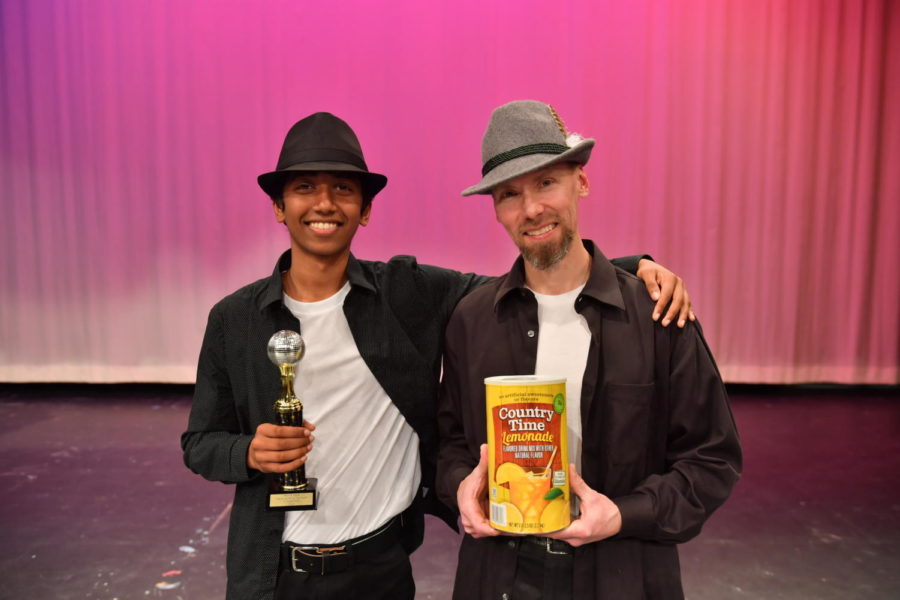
x: 528, y: 479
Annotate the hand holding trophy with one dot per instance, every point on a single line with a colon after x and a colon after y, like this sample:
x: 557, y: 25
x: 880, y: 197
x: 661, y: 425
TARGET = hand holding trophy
x: 293, y: 491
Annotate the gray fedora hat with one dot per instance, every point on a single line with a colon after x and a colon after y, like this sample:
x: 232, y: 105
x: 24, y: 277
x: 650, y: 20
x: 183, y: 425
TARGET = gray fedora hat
x: 524, y: 136
x: 321, y: 142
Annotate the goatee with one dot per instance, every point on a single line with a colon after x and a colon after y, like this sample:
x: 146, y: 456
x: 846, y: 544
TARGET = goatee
x: 546, y: 256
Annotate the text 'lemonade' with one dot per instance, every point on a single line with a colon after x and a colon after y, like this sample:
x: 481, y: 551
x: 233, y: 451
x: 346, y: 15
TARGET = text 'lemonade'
x: 528, y: 480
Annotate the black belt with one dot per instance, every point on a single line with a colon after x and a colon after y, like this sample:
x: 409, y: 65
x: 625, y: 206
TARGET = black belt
x: 323, y: 559
x: 550, y: 545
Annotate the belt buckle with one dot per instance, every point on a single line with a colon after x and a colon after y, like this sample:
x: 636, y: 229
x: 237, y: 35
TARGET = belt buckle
x: 548, y: 546
x: 317, y: 553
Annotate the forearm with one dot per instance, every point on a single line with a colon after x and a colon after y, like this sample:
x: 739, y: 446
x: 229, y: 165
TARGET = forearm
x: 630, y: 263
x: 453, y: 467
x: 455, y: 457
x: 455, y: 462
x: 217, y: 455
x: 703, y: 456
x: 214, y: 445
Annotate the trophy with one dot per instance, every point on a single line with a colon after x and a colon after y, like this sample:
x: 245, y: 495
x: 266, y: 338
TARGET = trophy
x: 292, y: 490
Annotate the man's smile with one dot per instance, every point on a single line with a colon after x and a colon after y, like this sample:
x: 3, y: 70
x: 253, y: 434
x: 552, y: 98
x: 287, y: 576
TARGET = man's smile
x: 542, y: 231
x: 323, y: 226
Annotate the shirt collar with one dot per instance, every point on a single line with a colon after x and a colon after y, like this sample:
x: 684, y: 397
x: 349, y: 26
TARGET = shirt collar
x: 274, y: 289
x: 602, y: 284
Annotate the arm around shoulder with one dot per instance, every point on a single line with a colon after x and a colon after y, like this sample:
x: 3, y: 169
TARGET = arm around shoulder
x: 447, y: 287
x: 630, y: 263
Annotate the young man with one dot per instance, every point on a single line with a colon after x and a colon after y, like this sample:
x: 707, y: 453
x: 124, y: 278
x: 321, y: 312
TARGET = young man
x: 368, y: 380
x: 650, y: 429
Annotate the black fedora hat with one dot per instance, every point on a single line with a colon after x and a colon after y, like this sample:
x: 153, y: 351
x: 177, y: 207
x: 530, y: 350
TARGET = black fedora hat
x: 321, y: 142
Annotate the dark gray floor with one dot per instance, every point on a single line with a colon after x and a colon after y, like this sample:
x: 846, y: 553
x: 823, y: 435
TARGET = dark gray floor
x: 97, y: 504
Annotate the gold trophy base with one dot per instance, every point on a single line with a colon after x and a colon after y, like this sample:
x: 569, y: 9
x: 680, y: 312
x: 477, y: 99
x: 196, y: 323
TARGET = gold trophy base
x: 305, y: 499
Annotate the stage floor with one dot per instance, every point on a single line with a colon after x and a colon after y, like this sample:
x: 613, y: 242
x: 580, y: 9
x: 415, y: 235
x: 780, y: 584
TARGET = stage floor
x: 98, y: 504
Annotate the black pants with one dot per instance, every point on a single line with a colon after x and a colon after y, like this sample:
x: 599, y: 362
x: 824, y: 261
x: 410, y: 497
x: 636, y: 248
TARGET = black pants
x: 387, y: 576
x: 542, y: 575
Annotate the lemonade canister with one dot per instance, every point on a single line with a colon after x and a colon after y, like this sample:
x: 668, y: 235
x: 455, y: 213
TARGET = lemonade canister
x: 528, y: 478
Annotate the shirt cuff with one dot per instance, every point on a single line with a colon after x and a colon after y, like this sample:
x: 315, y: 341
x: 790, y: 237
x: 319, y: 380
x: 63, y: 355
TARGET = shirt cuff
x: 239, y: 459
x: 636, y: 511
x: 456, y: 476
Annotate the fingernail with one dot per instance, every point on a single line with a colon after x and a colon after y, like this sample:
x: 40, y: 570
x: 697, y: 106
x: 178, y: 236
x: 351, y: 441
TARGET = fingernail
x: 656, y: 316
x: 666, y: 322
x: 681, y: 323
x: 654, y: 295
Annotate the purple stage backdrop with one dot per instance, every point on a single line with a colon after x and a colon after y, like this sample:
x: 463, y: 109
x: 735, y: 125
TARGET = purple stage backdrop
x: 751, y: 146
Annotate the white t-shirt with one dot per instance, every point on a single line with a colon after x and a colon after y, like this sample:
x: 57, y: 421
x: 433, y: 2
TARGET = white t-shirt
x: 564, y: 340
x: 365, y: 455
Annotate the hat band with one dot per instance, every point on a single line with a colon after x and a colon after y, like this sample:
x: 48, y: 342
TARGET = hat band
x: 321, y: 155
x: 503, y: 157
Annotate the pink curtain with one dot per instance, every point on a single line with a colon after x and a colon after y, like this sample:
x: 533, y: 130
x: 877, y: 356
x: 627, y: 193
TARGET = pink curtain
x: 751, y: 146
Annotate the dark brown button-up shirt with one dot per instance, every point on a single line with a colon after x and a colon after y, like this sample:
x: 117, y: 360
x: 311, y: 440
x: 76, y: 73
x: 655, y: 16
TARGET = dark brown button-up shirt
x: 658, y: 435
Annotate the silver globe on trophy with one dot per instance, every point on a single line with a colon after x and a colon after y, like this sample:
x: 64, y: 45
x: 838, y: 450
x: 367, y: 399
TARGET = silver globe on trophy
x: 292, y: 490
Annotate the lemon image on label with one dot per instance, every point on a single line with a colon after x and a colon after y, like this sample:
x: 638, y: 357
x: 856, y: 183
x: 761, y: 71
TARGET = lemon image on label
x: 556, y: 510
x: 509, y: 471
x: 514, y: 517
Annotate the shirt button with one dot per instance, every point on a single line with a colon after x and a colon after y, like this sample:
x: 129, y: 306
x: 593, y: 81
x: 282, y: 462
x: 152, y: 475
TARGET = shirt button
x: 505, y: 596
x: 531, y: 333
x: 511, y: 543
